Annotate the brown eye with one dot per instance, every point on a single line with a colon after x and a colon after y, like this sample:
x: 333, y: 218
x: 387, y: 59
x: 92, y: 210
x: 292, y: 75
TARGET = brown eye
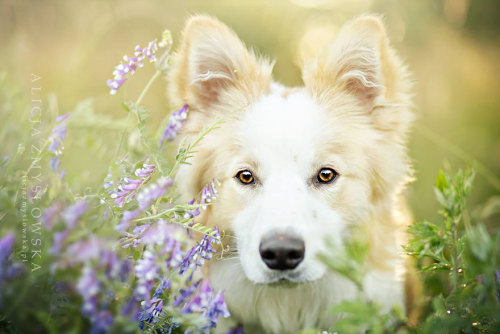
x: 326, y: 175
x: 245, y: 177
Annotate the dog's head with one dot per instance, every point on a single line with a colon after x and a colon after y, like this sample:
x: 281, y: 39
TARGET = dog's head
x: 295, y: 165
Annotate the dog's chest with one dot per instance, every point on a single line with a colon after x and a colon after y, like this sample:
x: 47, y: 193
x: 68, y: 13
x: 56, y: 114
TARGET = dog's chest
x: 289, y: 309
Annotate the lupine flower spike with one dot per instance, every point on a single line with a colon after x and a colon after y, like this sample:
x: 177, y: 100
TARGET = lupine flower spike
x: 177, y: 119
x: 497, y: 272
x: 128, y: 189
x: 202, y: 251
x: 209, y: 193
x: 129, y: 65
x: 56, y: 141
x: 211, y: 305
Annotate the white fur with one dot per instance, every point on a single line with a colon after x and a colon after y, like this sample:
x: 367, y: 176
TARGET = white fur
x: 281, y: 137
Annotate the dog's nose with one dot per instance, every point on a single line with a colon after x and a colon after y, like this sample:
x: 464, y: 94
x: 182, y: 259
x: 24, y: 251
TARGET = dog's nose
x: 282, y: 252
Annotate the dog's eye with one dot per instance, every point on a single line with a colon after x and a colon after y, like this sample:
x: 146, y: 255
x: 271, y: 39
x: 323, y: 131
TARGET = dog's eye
x: 326, y: 175
x: 245, y: 177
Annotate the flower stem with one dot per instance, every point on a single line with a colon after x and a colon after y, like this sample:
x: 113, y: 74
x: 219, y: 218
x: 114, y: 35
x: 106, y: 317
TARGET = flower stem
x: 148, y: 85
x: 137, y: 102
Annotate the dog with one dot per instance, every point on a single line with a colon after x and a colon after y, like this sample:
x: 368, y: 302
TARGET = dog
x: 298, y: 166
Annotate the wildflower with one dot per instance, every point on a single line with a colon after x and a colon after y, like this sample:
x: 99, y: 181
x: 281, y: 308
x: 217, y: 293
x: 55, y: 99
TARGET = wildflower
x: 129, y: 65
x: 164, y: 285
x: 56, y: 141
x: 114, y: 268
x: 135, y: 238
x: 175, y: 123
x: 59, y: 238
x: 8, y: 270
x: 163, y: 234
x: 73, y: 213
x: 6, y: 245
x: 152, y: 310
x: 127, y: 217
x: 101, y: 322
x: 209, y: 193
x: 146, y: 270
x: 108, y: 182
x: 192, y: 214
x: 145, y: 171
x: 88, y: 287
x: 127, y: 190
x: 211, y: 306
x: 184, y: 294
x: 236, y: 330
x: 153, y: 192
x: 200, y: 252
x: 81, y: 251
x: 131, y: 307
x: 498, y: 284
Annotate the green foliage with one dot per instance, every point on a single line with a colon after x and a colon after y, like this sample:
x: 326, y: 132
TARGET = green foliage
x: 459, y: 262
x: 466, y: 255
x: 347, y: 261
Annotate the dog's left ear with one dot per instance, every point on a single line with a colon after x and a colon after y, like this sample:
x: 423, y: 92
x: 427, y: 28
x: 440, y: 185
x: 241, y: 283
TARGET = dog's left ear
x: 362, y: 64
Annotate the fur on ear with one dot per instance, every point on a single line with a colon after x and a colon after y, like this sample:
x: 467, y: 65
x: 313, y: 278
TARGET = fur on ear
x: 361, y: 63
x: 212, y: 63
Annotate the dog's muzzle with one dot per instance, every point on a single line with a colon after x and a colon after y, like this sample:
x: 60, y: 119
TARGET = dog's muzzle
x: 282, y: 252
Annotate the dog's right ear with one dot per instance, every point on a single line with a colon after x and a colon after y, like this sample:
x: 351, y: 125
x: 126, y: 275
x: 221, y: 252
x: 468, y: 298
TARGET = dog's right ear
x: 214, y: 67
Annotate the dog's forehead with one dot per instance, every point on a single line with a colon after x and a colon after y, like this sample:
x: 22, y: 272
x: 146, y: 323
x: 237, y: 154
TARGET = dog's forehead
x: 286, y: 124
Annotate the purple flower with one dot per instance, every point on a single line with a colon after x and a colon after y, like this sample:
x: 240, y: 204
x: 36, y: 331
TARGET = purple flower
x: 130, y: 308
x: 56, y: 141
x: 498, y: 284
x: 146, y: 271
x: 236, y: 330
x: 88, y: 287
x: 152, y: 310
x: 209, y: 193
x: 211, y: 306
x: 127, y: 190
x: 59, y: 239
x: 54, y: 163
x: 175, y: 123
x: 164, y: 285
x: 153, y: 192
x: 192, y: 214
x: 81, y: 251
x: 101, y: 322
x: 73, y: 213
x: 129, y: 65
x: 184, y: 294
x: 114, y: 268
x: 145, y: 171
x: 6, y: 244
x: 8, y: 270
x: 127, y: 217
x: 200, y: 252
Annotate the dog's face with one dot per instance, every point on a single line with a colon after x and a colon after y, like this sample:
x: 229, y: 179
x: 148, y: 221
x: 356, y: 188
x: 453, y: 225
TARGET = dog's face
x: 295, y: 165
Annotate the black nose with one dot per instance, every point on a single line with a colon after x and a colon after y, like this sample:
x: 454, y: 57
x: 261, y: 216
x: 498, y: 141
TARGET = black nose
x: 281, y: 251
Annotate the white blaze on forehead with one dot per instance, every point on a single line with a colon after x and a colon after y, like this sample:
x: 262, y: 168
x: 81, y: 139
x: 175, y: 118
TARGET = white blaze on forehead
x: 283, y: 129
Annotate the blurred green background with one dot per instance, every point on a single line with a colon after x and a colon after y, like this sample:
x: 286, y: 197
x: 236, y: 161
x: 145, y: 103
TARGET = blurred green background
x: 451, y: 46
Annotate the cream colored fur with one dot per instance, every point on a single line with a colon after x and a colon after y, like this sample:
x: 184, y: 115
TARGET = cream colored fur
x: 352, y: 114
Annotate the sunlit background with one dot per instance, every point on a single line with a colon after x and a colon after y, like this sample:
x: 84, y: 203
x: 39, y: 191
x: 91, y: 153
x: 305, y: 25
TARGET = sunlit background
x: 451, y: 46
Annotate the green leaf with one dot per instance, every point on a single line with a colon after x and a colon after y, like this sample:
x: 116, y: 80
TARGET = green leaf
x: 479, y: 242
x: 125, y: 106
